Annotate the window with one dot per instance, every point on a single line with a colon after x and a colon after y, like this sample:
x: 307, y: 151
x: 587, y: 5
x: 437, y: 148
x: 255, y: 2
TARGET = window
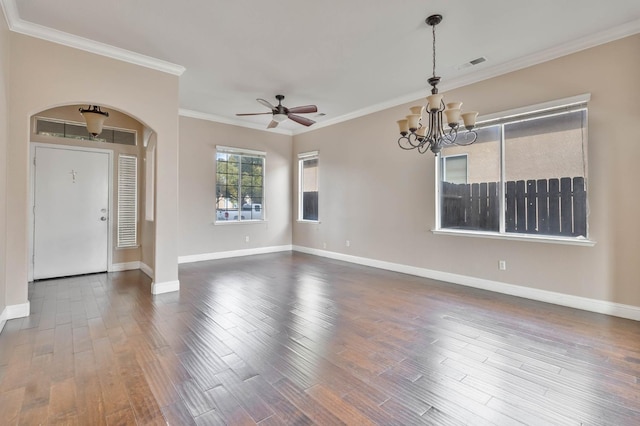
x: 454, y: 168
x: 127, y: 201
x: 308, y: 186
x: 525, y: 174
x: 72, y: 130
x: 239, y: 185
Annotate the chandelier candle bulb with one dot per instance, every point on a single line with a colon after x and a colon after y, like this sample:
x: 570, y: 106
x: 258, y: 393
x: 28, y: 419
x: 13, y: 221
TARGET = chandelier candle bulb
x: 435, y: 102
x: 404, y: 127
x: 469, y: 119
x: 453, y: 116
x: 413, y: 119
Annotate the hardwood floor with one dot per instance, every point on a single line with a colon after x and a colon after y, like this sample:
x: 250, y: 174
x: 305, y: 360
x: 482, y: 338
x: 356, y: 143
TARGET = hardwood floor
x: 295, y: 339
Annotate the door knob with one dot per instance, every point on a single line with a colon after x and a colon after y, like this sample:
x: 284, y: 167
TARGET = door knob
x: 103, y: 218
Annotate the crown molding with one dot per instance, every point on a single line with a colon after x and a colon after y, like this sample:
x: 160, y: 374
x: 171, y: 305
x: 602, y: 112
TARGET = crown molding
x: 592, y: 40
x: 18, y: 25
x: 225, y: 120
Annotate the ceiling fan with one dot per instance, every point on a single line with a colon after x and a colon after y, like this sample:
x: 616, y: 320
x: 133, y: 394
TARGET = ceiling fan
x: 281, y: 113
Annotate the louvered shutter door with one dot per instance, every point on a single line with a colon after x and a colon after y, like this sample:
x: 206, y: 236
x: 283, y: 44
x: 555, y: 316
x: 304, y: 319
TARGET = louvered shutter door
x: 127, y: 201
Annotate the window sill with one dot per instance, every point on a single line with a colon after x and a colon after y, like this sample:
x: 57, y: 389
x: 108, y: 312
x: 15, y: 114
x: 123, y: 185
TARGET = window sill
x: 579, y: 241
x: 308, y: 221
x: 238, y: 222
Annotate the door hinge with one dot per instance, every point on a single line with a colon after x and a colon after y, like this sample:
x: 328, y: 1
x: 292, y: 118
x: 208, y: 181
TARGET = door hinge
x: 34, y: 160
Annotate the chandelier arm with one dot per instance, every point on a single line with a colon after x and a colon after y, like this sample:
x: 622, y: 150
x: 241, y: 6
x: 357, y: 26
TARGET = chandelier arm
x: 466, y: 137
x: 450, y: 137
x: 424, y: 148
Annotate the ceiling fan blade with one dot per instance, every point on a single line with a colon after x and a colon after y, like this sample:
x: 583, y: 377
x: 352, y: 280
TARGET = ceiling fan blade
x: 304, y: 109
x: 273, y: 124
x: 301, y: 120
x: 254, y: 113
x: 266, y: 103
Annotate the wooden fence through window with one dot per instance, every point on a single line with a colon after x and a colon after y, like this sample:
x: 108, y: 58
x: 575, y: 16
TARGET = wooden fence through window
x: 543, y: 206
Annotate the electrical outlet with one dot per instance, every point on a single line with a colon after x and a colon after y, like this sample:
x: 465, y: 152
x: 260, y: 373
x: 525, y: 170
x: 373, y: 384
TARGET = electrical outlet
x: 348, y: 243
x: 246, y: 239
x: 324, y: 245
x: 502, y: 265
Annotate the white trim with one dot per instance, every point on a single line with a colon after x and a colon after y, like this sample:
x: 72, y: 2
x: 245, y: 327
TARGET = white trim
x: 574, y: 241
x: 13, y: 312
x: 241, y: 151
x: 232, y: 253
x: 3, y: 319
x: 530, y: 109
x: 146, y: 269
x: 126, y: 266
x: 165, y: 287
x: 307, y: 155
x: 577, y: 302
x: 592, y: 40
x: 230, y: 121
x: 21, y: 26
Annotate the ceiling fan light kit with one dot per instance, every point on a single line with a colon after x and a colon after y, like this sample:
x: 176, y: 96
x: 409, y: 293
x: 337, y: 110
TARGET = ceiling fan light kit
x: 428, y: 132
x: 280, y: 113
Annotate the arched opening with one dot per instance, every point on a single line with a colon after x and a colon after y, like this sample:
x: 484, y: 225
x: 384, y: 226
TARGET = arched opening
x: 98, y: 215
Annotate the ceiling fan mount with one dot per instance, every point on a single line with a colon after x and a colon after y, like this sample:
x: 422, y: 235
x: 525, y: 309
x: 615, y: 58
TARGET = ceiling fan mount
x: 280, y: 112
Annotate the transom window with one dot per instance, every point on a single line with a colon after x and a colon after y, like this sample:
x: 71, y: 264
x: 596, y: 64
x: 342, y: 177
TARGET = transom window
x: 239, y: 185
x: 525, y: 174
x: 73, y: 130
x: 308, y: 186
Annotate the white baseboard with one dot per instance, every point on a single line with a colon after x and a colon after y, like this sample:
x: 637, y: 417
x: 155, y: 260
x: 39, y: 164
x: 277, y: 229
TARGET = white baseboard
x: 126, y: 266
x: 146, y: 269
x: 233, y: 253
x: 165, y: 287
x: 3, y: 319
x: 577, y: 302
x: 14, y: 311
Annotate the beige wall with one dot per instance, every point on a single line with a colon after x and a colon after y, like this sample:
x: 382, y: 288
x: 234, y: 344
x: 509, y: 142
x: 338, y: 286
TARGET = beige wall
x: 45, y: 75
x: 362, y: 172
x: 198, y: 233
x: 4, y: 83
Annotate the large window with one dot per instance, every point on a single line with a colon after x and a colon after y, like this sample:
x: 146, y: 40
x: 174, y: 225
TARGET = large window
x: 239, y: 184
x: 308, y: 186
x: 525, y: 174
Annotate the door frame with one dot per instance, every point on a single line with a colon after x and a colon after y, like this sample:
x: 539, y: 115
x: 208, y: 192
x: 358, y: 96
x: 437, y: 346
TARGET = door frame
x: 32, y: 188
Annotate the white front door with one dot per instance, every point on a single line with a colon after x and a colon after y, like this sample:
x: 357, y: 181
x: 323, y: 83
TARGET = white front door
x: 71, y: 214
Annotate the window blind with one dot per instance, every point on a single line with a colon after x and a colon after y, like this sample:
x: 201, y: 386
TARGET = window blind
x: 127, y: 201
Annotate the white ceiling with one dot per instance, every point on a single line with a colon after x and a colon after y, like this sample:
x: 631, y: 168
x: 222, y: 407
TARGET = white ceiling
x: 347, y: 57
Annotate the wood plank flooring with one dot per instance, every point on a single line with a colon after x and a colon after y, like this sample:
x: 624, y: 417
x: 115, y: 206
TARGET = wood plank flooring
x: 293, y: 339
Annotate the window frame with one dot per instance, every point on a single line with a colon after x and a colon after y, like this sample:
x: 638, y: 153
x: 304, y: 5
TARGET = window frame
x: 220, y: 149
x: 302, y: 157
x: 446, y: 158
x: 574, y: 103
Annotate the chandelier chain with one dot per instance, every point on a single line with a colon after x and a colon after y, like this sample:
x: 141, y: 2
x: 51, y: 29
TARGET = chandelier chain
x: 433, y: 29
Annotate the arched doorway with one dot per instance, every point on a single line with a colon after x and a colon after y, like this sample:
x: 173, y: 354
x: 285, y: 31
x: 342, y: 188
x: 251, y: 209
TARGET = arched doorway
x: 88, y: 194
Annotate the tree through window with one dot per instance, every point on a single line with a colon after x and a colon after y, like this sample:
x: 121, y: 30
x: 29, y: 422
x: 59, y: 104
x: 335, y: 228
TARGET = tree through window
x: 239, y: 184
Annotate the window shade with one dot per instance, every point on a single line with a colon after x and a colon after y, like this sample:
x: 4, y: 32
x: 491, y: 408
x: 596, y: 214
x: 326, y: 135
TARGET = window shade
x: 127, y: 201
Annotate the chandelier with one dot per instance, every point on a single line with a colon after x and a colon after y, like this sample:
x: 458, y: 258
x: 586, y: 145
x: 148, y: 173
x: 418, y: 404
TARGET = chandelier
x: 94, y: 117
x: 429, y: 132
